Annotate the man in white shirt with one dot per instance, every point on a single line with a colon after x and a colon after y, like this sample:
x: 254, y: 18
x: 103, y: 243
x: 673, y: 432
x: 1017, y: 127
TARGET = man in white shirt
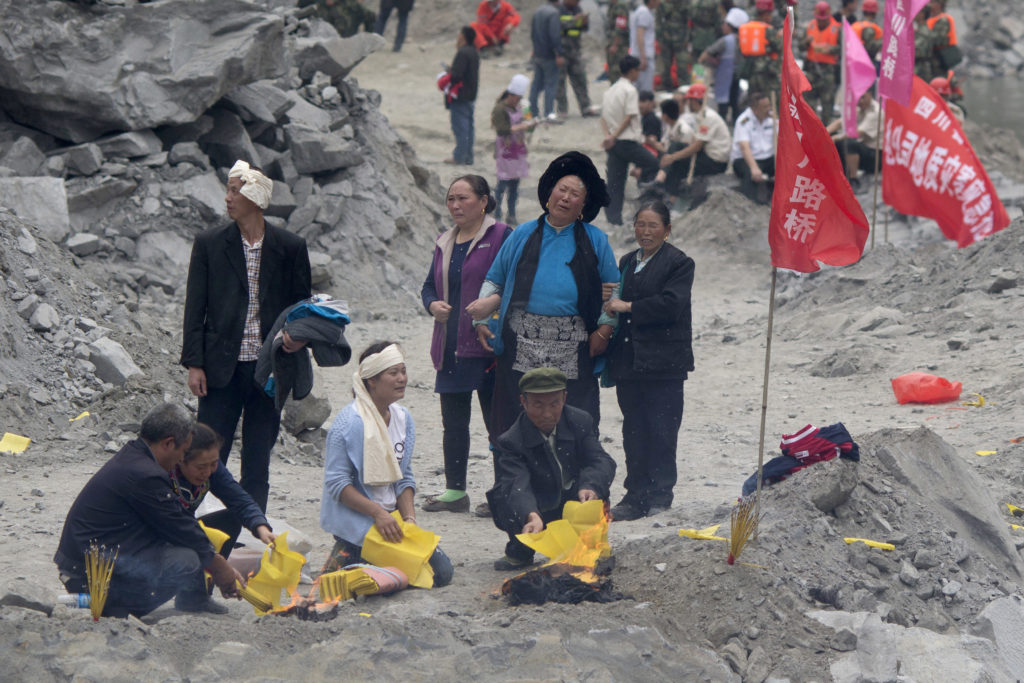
x: 710, y: 146
x: 620, y: 122
x: 753, y: 148
x: 641, y: 41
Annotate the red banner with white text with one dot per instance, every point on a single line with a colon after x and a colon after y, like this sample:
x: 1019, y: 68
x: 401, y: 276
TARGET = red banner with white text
x: 929, y: 169
x: 815, y: 216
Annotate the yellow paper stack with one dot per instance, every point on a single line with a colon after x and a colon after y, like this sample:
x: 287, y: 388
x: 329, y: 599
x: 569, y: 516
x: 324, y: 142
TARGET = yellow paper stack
x: 580, y: 538
x: 279, y: 570
x: 345, y: 584
x: 411, y: 554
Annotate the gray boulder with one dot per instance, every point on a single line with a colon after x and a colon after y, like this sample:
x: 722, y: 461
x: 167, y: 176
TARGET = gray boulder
x: 19, y: 592
x: 84, y: 159
x: 130, y: 145
x: 188, y: 152
x: 83, y: 244
x: 40, y: 201
x: 206, y: 192
x: 23, y: 157
x: 1002, y: 622
x: 334, y: 56
x: 315, y: 152
x: 164, y: 249
x: 306, y: 114
x: 44, y: 319
x: 78, y: 74
x: 282, y: 202
x: 113, y: 364
x: 228, y: 141
x: 309, y: 413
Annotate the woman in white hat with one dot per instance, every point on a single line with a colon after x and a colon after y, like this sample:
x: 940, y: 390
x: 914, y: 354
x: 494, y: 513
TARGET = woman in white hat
x: 510, y: 124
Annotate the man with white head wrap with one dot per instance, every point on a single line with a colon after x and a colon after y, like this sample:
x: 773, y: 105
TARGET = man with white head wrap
x: 241, y: 277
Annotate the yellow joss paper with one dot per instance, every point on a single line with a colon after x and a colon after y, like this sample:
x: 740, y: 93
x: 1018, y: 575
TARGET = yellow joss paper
x: 411, y: 554
x: 708, y: 533
x: 580, y: 538
x: 977, y: 402
x: 557, y: 539
x: 279, y: 570
x: 870, y: 544
x: 13, y: 443
x: 1014, y: 510
x: 80, y: 416
x: 984, y: 453
x: 216, y: 536
x: 1015, y: 527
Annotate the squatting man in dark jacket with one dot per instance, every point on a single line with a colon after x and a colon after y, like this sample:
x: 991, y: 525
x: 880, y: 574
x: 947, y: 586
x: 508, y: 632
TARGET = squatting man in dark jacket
x: 130, y: 504
x: 549, y: 456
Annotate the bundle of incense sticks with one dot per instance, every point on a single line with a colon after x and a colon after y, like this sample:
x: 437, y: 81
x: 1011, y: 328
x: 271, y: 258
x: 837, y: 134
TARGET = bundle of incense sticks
x: 99, y: 566
x: 254, y: 598
x: 742, y: 526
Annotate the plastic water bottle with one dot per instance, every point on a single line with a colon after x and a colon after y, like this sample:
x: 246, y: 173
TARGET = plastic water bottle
x: 74, y: 599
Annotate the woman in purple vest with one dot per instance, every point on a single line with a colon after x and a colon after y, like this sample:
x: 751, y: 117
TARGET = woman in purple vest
x: 462, y: 257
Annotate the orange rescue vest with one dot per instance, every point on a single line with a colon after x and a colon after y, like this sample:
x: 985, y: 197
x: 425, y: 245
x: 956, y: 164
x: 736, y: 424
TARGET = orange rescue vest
x: 859, y: 27
x: 754, y: 39
x: 952, y: 26
x: 826, y: 36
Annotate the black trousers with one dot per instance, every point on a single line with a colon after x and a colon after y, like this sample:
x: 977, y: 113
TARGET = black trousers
x: 652, y: 411
x: 221, y: 408
x: 620, y: 156
x: 748, y: 186
x: 456, y: 410
x: 677, y: 172
x: 517, y: 550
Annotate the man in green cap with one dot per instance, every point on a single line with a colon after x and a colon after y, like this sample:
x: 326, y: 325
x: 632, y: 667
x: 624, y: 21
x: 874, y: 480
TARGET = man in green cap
x: 548, y: 457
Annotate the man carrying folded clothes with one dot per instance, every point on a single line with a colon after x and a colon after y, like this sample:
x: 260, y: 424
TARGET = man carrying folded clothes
x: 549, y: 456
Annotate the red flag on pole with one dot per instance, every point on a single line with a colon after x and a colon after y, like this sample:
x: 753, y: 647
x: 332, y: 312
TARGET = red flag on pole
x: 815, y: 216
x: 931, y: 170
x: 897, y: 55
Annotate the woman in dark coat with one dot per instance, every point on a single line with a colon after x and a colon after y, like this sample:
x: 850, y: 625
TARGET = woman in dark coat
x: 649, y: 358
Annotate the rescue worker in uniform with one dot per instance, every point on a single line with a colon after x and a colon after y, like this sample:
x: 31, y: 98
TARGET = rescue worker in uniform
x: 944, y: 46
x: 673, y: 34
x: 706, y: 18
x: 821, y: 40
x: 924, y: 66
x: 574, y: 22
x: 869, y: 32
x: 761, y: 44
x: 347, y: 16
x: 495, y: 20
x: 618, y: 36
x: 948, y: 91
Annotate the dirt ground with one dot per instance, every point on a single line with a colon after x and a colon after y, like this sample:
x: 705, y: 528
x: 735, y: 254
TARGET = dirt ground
x: 672, y: 623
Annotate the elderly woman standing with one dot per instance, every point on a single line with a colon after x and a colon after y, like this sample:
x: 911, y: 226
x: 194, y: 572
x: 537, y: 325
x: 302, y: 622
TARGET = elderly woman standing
x: 546, y: 285
x: 462, y: 257
x: 649, y: 359
x: 367, y: 462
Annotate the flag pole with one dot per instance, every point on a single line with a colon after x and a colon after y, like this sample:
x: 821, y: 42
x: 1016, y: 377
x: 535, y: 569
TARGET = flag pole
x: 878, y: 157
x: 764, y: 391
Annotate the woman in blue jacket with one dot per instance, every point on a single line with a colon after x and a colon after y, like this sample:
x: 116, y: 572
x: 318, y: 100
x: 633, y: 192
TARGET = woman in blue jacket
x: 368, y: 462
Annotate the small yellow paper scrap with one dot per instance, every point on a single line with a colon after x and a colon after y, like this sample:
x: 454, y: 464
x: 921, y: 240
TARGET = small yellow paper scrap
x: 365, y: 614
x: 705, y: 534
x: 984, y: 453
x: 76, y: 419
x: 1015, y: 526
x: 1014, y: 510
x: 870, y: 543
x: 977, y: 402
x: 13, y: 443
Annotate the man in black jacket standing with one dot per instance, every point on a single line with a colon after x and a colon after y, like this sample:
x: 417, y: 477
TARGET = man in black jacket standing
x: 465, y: 78
x: 130, y: 505
x: 240, y: 278
x: 549, y: 456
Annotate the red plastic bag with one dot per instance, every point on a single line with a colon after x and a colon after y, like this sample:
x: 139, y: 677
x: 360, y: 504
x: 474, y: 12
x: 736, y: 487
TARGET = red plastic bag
x: 920, y: 387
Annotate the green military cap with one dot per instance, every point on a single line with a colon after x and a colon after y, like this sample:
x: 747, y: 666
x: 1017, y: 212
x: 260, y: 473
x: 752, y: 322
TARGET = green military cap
x: 542, y: 381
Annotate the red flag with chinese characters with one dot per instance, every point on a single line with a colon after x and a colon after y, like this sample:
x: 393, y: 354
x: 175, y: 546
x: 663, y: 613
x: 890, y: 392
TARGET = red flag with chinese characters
x: 896, y: 58
x: 815, y: 216
x: 931, y: 170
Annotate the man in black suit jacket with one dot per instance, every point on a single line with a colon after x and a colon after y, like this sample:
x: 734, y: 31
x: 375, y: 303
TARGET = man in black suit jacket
x: 549, y: 456
x: 241, y: 277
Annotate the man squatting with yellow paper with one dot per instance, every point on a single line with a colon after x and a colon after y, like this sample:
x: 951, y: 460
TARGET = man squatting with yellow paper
x: 549, y: 456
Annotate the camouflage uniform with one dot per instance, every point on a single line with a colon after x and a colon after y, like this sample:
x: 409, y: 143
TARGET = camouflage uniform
x: 673, y: 35
x: 574, y: 23
x: 347, y: 16
x: 823, y: 79
x: 925, y: 63
x: 707, y: 20
x: 617, y: 27
x: 764, y: 73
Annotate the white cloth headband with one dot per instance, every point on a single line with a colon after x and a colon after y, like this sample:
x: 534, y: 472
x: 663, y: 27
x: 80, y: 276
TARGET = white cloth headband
x: 376, y: 363
x: 256, y: 187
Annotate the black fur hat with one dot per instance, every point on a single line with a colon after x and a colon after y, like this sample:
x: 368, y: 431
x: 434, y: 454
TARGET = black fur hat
x: 579, y: 165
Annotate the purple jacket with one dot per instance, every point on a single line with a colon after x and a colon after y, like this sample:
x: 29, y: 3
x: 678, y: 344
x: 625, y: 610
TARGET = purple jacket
x: 482, y: 251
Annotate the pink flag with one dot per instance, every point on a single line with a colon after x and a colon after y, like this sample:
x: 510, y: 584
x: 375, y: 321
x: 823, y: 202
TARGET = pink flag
x: 858, y: 75
x: 897, y: 55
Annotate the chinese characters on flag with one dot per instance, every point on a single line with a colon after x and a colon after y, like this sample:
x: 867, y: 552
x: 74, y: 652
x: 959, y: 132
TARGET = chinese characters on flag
x: 930, y: 169
x: 815, y: 216
x: 858, y: 76
x: 897, y: 55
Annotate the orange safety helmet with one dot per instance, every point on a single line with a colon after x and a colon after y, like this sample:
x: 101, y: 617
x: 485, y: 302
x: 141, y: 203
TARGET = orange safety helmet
x: 697, y: 91
x: 822, y: 10
x: 870, y: 6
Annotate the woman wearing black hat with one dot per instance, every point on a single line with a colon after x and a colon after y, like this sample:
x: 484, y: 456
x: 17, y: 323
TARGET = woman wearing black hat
x: 546, y: 286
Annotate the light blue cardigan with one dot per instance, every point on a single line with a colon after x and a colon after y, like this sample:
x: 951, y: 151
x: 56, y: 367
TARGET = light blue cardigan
x: 343, y: 465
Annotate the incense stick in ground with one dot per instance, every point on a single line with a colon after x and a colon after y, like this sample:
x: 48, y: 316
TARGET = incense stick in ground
x: 742, y: 525
x: 99, y: 566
